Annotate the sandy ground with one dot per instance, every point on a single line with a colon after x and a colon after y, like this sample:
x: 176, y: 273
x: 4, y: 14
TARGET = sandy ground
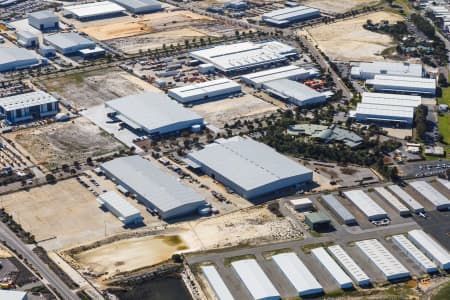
x: 333, y: 6
x: 4, y: 253
x: 398, y: 133
x: 64, y: 143
x: 220, y: 112
x: 89, y: 89
x: 349, y: 41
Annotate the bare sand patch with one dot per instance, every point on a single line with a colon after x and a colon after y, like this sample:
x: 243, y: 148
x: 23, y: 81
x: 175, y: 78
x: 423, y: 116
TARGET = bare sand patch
x: 333, y: 6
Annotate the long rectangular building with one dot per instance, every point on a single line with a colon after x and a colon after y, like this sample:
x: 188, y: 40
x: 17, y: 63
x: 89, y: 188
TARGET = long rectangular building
x: 93, y: 10
x: 346, y: 262
x: 368, y: 70
x: 153, y: 187
x: 384, y: 113
x: 414, y: 253
x: 120, y: 207
x: 412, y: 203
x: 68, y: 42
x: 391, y: 268
x: 431, y: 248
x: 332, y: 267
x: 153, y: 113
x: 291, y: 72
x: 339, y: 209
x: 392, y: 200
x: 261, y: 170
x: 289, y: 15
x: 294, y: 92
x: 298, y: 274
x: 444, y: 182
x: 205, y: 91
x: 140, y: 6
x: 366, y: 204
x: 391, y: 99
x: 17, y: 58
x: 216, y: 282
x: 255, y: 280
x: 405, y: 85
x: 439, y: 201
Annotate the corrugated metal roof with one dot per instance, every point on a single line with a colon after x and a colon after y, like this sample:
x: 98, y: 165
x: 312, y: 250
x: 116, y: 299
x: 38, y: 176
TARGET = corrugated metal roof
x: 369, y: 207
x: 392, y: 68
x: 431, y: 194
x: 138, y: 4
x: 69, y: 39
x: 289, y: 12
x: 26, y: 100
x: 432, y: 248
x: 406, y: 198
x: 11, y: 55
x: 332, y: 267
x: 121, y: 205
x: 94, y: 9
x: 43, y: 14
x: 391, y: 199
x: 349, y: 265
x: 254, y: 278
x: 216, y: 282
x: 289, y: 71
x: 444, y: 182
x: 391, y: 99
x: 144, y: 178
x: 385, y: 110
x: 292, y: 89
x: 424, y: 262
x: 340, y: 209
x: 200, y: 90
x: 401, y: 81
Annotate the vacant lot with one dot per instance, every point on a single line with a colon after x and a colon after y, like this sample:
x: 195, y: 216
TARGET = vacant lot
x: 64, y: 143
x: 84, y: 90
x: 333, y: 6
x: 225, y: 111
x: 349, y: 41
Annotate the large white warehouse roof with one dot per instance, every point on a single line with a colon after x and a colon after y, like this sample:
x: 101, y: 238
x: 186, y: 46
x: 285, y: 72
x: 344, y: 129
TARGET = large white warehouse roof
x: 383, y: 259
x: 392, y: 200
x: 432, y: 248
x: 69, y: 42
x: 367, y: 70
x: 349, y: 265
x: 288, y: 15
x: 415, y: 254
x: 294, y: 92
x: 287, y: 72
x: 339, y: 209
x: 407, y: 199
x: 245, y: 55
x: 216, y: 282
x: 431, y: 194
x: 16, y: 58
x: 95, y: 9
x: 261, y: 169
x: 154, y: 113
x: 391, y: 99
x: 203, y: 91
x: 140, y: 6
x: 369, y: 207
x: 26, y: 100
x: 377, y: 112
x: 403, y: 84
x: 444, y: 182
x: 332, y: 267
x: 298, y: 274
x: 256, y: 281
x: 119, y: 206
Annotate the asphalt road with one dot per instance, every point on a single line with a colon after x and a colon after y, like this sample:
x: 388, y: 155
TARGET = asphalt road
x: 15, y: 243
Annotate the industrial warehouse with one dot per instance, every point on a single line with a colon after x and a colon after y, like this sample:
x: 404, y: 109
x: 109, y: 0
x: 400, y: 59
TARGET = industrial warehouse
x: 17, y: 58
x: 153, y: 187
x: 403, y: 84
x: 43, y: 20
x: 366, y: 204
x: 95, y: 10
x: 294, y: 92
x: 25, y: 107
x: 339, y: 209
x: 245, y: 56
x: 409, y: 201
x: 69, y: 42
x: 263, y: 170
x: 430, y: 247
x: 153, y: 113
x: 140, y: 6
x: 285, y: 16
x: 368, y: 70
x: 287, y: 72
x: 205, y: 91
x: 346, y: 262
x: 341, y: 278
x: 439, y: 201
x: 123, y: 210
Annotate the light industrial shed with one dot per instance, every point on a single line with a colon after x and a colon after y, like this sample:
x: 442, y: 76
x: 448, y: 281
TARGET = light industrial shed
x: 248, y: 167
x: 255, y: 280
x: 391, y: 268
x: 140, y: 6
x: 43, y: 20
x: 367, y: 112
x: 289, y: 15
x: 332, y: 267
x: 27, y: 39
x: 412, y: 203
x: 431, y: 248
x: 368, y: 70
x: 294, y: 92
x: 392, y: 200
x: 68, y: 42
x: 391, y: 99
x: 301, y: 204
x: 13, y: 295
x: 346, y: 262
x: 205, y: 91
x: 94, y: 10
x: 414, y: 253
x: 444, y: 182
x: 439, y: 201
x: 216, y: 282
x: 291, y: 72
x: 317, y: 220
x: 339, y: 209
x: 120, y: 207
x: 153, y: 113
x: 244, y: 56
x: 24, y: 107
x: 405, y: 85
x: 17, y: 58
x: 298, y: 274
x: 366, y: 204
x: 153, y: 187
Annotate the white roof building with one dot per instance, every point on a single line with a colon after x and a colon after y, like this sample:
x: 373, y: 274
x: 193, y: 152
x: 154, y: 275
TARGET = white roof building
x: 384, y: 113
x: 140, y: 6
x: 369, y: 207
x: 439, y: 201
x: 298, y: 274
x: 414, y: 253
x: 93, y: 10
x: 385, y: 262
x: 392, y: 200
x: 286, y: 72
x: 16, y: 58
x: 255, y: 280
x: 412, y: 203
x: 13, y: 295
x: 332, y: 267
x: 431, y: 248
x: 243, y: 56
x: 333, y: 203
x: 289, y: 15
x: 216, y: 283
x: 205, y: 91
x: 368, y: 70
x: 301, y: 203
x: 68, y: 42
x: 346, y: 262
x: 401, y: 84
x: 294, y: 92
x: 43, y: 20
x: 391, y: 99
x: 120, y: 207
x: 444, y: 182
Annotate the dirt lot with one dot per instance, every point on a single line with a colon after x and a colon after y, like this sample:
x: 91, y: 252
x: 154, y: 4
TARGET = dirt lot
x: 333, y: 6
x: 94, y: 88
x: 349, y: 41
x: 59, y: 143
x: 224, y: 111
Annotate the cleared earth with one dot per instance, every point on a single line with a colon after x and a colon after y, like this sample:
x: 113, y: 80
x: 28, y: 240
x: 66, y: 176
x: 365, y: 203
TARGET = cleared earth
x: 333, y: 6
